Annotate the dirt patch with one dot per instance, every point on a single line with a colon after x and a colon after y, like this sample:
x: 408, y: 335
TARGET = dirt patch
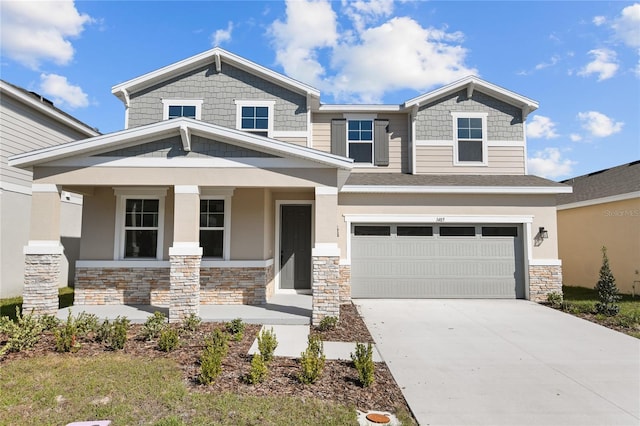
x: 338, y: 382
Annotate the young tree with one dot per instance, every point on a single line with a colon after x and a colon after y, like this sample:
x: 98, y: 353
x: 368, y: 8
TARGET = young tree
x: 607, y: 289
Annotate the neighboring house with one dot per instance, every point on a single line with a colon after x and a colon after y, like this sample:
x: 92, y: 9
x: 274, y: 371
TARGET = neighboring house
x: 27, y: 122
x: 232, y: 182
x: 603, y: 210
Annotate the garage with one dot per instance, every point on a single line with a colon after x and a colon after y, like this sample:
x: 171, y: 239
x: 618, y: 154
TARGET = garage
x: 437, y: 261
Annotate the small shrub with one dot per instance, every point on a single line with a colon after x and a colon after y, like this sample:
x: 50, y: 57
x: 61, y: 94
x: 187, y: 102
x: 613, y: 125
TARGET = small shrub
x: 49, y: 322
x: 154, y: 325
x: 113, y: 334
x: 168, y: 340
x: 86, y: 323
x: 191, y: 323
x: 258, y: 371
x: 554, y: 299
x: 267, y: 344
x: 22, y: 334
x: 607, y: 290
x: 67, y: 336
x: 236, y: 329
x: 215, y: 350
x: 328, y: 323
x: 312, y: 361
x: 363, y: 361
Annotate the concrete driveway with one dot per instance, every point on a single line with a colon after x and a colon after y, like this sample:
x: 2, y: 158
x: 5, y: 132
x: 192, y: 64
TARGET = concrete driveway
x: 505, y: 362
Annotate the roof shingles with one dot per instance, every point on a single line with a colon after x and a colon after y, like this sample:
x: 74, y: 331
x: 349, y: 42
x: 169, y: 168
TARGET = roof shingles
x: 623, y: 179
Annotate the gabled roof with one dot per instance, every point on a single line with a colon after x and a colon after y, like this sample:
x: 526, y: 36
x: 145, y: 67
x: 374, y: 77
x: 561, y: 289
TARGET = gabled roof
x: 215, y: 56
x: 613, y: 182
x: 46, y: 107
x: 451, y: 184
x: 184, y: 127
x: 472, y: 83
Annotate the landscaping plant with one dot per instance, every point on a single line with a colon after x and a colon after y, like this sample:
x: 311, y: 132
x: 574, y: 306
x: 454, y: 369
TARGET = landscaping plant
x: 312, y: 361
x: 22, y: 334
x: 554, y: 299
x: 328, y: 323
x: 267, y: 344
x: 168, y: 340
x: 191, y: 323
x: 113, y: 334
x: 236, y: 329
x: 67, y: 336
x: 607, y: 290
x: 258, y: 371
x: 154, y: 325
x: 363, y: 361
x: 215, y: 350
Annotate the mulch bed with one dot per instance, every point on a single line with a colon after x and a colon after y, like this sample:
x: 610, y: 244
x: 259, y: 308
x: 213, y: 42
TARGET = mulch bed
x: 338, y: 382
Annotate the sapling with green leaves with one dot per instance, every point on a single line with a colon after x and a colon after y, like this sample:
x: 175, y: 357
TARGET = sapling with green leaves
x: 607, y: 290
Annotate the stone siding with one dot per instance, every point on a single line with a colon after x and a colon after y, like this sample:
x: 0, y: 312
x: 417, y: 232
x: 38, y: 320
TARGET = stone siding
x: 345, y: 283
x: 544, y: 279
x: 236, y: 286
x: 326, y: 288
x: 185, y: 287
x: 118, y: 286
x: 41, y: 276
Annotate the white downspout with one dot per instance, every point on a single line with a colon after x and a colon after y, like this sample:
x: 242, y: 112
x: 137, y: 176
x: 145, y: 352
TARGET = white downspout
x: 126, y: 108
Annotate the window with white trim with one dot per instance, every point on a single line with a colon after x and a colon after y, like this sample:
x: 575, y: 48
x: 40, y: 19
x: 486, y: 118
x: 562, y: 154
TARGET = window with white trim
x: 139, y: 223
x: 255, y: 116
x: 360, y: 140
x: 212, y: 227
x: 470, y: 138
x: 175, y: 108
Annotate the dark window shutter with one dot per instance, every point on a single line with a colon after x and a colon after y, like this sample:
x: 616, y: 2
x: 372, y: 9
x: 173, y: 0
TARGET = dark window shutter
x: 381, y: 142
x: 339, y: 137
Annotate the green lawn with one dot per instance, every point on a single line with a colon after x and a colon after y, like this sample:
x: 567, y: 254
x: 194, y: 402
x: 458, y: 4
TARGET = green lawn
x: 59, y: 389
x: 580, y: 300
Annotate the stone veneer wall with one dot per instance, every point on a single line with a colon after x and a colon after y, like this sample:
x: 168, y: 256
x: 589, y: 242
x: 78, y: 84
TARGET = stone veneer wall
x: 544, y: 279
x: 325, y: 287
x: 41, y: 273
x: 185, y: 286
x: 345, y: 283
x: 236, y: 285
x: 117, y: 286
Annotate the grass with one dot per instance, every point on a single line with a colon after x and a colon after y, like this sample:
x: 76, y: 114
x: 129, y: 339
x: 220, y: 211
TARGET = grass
x: 8, y: 306
x: 581, y: 300
x: 59, y: 389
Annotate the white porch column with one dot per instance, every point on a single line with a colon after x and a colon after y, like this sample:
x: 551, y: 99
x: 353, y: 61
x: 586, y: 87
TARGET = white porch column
x: 43, y: 253
x: 326, y: 256
x: 185, y: 255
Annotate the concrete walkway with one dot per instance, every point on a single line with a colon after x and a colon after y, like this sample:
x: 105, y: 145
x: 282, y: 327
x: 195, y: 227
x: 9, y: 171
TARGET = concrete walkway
x: 505, y: 362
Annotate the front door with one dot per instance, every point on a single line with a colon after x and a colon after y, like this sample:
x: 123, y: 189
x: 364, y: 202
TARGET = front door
x: 295, y: 247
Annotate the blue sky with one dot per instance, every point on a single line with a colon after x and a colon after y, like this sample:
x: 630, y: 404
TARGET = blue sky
x: 579, y: 60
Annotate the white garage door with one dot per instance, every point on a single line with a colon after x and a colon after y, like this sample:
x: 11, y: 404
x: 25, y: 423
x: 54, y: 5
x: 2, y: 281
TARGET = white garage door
x: 437, y: 261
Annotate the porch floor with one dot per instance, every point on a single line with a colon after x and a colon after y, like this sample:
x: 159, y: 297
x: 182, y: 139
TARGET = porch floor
x: 282, y: 309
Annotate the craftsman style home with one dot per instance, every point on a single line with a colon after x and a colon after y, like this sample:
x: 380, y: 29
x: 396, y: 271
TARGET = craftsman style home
x: 231, y: 182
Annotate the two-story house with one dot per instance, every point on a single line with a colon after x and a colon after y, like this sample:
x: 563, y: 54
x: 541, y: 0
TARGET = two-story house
x: 232, y: 182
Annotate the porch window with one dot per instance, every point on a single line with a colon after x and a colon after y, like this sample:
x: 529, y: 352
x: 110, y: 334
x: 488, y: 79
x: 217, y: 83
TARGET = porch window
x: 175, y: 108
x: 255, y: 116
x: 470, y: 138
x: 141, y: 228
x: 212, y: 224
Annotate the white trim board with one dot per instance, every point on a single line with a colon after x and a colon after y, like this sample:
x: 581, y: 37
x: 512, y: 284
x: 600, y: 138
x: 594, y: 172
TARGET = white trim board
x: 417, y: 189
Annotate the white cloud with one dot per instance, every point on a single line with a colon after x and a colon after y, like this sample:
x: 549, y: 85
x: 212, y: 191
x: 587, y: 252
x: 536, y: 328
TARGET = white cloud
x: 375, y: 58
x: 220, y: 36
x: 541, y: 127
x: 575, y: 137
x: 599, y: 20
x: 62, y: 92
x: 605, y: 64
x: 598, y: 124
x: 33, y: 32
x: 552, y: 61
x: 627, y: 25
x: 549, y: 163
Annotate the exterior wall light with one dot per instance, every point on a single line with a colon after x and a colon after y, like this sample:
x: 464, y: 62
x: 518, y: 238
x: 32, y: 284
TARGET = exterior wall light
x: 543, y: 233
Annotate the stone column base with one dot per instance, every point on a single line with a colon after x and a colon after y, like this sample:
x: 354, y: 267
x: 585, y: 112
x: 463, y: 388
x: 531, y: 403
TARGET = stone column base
x: 325, y: 288
x: 544, y: 279
x: 345, y: 283
x: 41, y: 277
x: 184, y: 283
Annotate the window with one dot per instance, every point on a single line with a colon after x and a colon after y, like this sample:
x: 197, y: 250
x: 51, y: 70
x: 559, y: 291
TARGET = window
x: 139, y: 223
x: 457, y: 231
x: 255, y: 117
x: 360, y: 140
x: 175, y: 108
x: 212, y: 223
x: 499, y: 231
x: 415, y: 231
x: 470, y: 138
x: 372, y: 230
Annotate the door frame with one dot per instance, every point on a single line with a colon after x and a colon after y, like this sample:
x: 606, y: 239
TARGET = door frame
x: 276, y: 257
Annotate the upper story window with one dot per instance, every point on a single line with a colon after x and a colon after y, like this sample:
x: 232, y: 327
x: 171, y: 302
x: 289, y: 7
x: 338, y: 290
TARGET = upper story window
x: 255, y: 116
x: 470, y: 138
x: 175, y: 108
x: 139, y: 223
x: 360, y: 140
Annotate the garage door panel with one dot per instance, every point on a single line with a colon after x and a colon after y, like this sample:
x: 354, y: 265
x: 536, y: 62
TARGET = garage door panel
x: 442, y: 288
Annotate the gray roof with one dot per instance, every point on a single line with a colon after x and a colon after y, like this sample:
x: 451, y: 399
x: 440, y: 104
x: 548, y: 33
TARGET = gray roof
x: 400, y: 179
x: 617, y: 180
